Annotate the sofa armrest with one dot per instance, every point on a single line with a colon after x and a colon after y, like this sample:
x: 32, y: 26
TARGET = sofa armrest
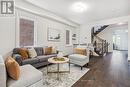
x: 2, y: 73
x: 18, y: 58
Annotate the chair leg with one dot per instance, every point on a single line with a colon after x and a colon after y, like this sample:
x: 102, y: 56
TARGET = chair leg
x: 81, y: 68
x: 87, y: 64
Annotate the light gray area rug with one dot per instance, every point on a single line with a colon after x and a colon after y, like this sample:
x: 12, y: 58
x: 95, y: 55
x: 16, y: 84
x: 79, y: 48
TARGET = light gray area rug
x: 66, y: 79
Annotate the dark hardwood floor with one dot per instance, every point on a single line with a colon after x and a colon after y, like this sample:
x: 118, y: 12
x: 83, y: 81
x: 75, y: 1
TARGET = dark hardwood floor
x: 110, y: 71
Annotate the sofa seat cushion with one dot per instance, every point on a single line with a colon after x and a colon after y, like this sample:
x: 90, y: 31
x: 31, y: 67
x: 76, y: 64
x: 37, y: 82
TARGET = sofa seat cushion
x: 30, y: 61
x: 29, y: 75
x: 77, y: 57
x: 45, y: 57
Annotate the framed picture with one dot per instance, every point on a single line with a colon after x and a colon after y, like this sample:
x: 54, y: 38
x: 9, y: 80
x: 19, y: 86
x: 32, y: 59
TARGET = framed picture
x: 53, y: 34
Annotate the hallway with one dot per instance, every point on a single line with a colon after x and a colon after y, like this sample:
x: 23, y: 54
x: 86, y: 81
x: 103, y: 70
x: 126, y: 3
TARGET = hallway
x: 110, y: 71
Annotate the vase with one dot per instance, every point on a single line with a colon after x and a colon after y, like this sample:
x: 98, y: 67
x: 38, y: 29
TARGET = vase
x: 60, y: 54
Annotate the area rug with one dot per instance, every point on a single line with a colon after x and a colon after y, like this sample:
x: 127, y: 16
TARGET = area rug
x: 66, y: 79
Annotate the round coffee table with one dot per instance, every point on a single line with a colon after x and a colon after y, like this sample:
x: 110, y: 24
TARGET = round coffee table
x: 58, y: 62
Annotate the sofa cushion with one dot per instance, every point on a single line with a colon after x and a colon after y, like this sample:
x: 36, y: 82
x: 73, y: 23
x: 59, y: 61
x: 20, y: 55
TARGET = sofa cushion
x: 81, y: 51
x: 12, y: 68
x: 29, y: 76
x: 39, y: 50
x: 32, y: 53
x: 77, y: 57
x: 23, y: 52
x: 15, y: 51
x: 48, y: 50
x: 30, y: 61
x: 45, y: 57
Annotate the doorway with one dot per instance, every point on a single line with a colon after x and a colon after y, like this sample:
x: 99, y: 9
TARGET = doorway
x: 120, y: 40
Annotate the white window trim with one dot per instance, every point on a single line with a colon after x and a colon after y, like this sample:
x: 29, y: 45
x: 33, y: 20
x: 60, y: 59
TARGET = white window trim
x: 70, y: 38
x: 17, y: 30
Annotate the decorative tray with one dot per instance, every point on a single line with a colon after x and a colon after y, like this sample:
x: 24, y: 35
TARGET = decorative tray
x: 58, y: 59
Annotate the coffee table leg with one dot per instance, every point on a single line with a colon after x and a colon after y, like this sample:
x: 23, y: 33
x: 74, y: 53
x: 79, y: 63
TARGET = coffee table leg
x: 47, y: 68
x: 69, y: 66
x: 58, y: 71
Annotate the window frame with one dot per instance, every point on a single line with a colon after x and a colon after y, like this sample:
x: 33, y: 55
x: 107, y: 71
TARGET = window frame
x: 17, y: 40
x: 70, y: 37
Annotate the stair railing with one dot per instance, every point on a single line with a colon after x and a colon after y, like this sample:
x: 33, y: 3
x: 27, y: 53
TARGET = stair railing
x: 101, y: 46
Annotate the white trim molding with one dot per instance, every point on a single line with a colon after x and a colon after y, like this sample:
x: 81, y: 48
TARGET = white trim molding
x: 17, y: 29
x: 51, y: 17
x: 70, y: 37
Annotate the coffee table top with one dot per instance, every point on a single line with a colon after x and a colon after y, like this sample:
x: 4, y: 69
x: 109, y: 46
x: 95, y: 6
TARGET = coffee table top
x: 51, y: 60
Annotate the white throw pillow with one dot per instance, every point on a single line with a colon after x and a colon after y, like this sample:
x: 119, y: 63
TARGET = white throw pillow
x: 32, y: 53
x: 54, y: 49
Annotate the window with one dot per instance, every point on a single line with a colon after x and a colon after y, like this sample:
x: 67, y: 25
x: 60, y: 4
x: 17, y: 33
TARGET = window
x: 68, y: 37
x: 26, y: 32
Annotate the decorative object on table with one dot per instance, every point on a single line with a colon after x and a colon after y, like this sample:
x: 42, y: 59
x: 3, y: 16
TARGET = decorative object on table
x: 58, y: 59
x: 53, y: 34
x: 60, y: 54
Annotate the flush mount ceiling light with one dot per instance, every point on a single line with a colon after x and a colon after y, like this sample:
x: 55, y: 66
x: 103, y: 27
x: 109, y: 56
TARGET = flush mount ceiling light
x: 79, y: 7
x: 120, y: 23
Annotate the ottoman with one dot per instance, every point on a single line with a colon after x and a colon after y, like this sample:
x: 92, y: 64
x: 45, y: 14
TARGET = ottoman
x: 79, y: 59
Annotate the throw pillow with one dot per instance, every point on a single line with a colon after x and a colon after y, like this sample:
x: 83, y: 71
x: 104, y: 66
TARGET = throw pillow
x: 48, y: 50
x: 80, y: 51
x: 23, y: 52
x: 13, y: 68
x: 32, y: 53
x: 39, y: 51
x: 54, y: 50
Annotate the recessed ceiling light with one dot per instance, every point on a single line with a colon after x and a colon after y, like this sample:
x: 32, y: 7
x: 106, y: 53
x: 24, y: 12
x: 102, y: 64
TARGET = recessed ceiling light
x: 120, y: 23
x: 79, y: 7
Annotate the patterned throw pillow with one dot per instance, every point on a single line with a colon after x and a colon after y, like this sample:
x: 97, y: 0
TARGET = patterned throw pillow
x: 32, y: 53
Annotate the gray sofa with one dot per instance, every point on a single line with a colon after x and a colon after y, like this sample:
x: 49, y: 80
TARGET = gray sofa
x: 39, y: 61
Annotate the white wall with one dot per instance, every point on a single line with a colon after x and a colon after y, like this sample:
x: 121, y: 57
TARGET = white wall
x: 9, y: 34
x: 41, y: 25
x: 86, y: 29
x: 129, y: 39
x: 107, y: 34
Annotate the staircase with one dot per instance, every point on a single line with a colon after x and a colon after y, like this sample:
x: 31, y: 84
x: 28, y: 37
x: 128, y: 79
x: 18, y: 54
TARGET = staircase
x: 100, y: 45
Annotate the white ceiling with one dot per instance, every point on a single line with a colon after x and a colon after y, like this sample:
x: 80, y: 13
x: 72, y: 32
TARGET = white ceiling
x: 98, y: 9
